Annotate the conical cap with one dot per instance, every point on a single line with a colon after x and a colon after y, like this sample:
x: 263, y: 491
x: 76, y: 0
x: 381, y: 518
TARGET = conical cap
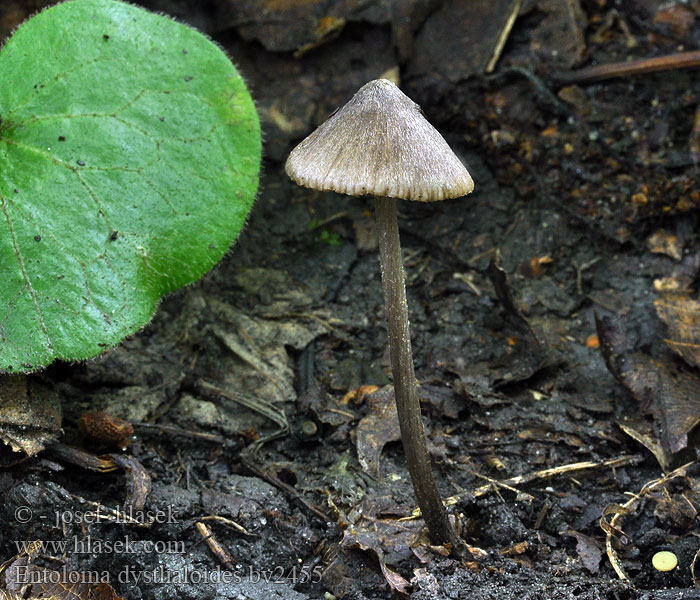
x: 379, y: 143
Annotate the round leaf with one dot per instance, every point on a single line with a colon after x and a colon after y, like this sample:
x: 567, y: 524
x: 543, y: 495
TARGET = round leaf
x: 129, y: 159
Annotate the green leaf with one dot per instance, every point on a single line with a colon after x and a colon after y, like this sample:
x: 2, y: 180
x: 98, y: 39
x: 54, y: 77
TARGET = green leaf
x: 129, y: 159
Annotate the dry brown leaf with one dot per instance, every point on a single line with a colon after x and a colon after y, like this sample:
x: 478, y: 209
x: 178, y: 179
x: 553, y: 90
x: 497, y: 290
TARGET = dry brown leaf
x: 675, y: 510
x: 103, y: 430
x: 674, y: 18
x: 662, y: 390
x: 398, y: 584
x: 21, y: 579
x: 682, y: 317
x: 104, y: 591
x: 673, y: 285
x: 381, y: 425
x: 663, y: 242
x: 378, y: 538
x: 30, y: 414
x: 62, y: 590
x: 358, y: 395
x: 640, y: 431
x: 138, y: 481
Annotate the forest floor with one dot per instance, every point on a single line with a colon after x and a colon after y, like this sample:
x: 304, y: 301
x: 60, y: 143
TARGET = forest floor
x: 554, y: 322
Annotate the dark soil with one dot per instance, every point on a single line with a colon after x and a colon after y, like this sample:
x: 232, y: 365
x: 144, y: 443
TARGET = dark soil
x: 589, y: 195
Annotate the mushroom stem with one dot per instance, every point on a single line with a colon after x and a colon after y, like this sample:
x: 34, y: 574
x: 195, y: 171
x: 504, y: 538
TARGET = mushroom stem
x: 405, y: 388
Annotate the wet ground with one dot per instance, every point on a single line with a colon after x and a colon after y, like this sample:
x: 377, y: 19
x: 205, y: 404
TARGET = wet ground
x: 557, y: 440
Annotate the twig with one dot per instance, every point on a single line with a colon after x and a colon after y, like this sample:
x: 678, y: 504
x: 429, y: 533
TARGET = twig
x: 579, y: 272
x: 681, y: 60
x: 503, y: 36
x: 503, y: 484
x: 228, y: 522
x: 171, y: 429
x: 216, y: 548
x: 561, y: 470
x: 543, y: 474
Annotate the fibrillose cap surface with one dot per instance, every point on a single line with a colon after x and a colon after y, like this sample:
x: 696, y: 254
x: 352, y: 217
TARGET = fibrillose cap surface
x: 379, y: 143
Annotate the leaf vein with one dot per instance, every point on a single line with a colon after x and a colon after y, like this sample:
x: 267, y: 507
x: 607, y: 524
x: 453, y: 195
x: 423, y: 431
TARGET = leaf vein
x: 25, y: 275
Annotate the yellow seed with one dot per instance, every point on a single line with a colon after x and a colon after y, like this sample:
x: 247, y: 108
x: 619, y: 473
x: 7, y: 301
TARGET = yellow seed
x: 664, y: 561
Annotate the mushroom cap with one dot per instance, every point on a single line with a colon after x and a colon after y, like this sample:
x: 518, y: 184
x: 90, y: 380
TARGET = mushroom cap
x: 379, y: 143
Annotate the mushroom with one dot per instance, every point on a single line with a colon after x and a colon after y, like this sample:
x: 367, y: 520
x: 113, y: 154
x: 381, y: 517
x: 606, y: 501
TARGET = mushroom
x: 380, y: 144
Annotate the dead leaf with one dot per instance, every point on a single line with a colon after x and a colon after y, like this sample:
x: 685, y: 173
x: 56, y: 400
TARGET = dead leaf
x: 397, y: 583
x: 138, y: 481
x: 103, y: 430
x: 670, y: 395
x: 272, y: 313
x: 483, y: 29
x: 258, y: 336
x: 476, y: 388
x: 515, y: 549
x: 328, y: 28
x: 588, y: 549
x: 104, y: 591
x: 675, y: 18
x: 663, y: 242
x: 81, y: 458
x: 673, y: 285
x: 357, y: 396
x: 303, y: 25
x: 21, y: 578
x: 559, y: 37
x: 525, y: 355
x: 64, y: 589
x: 379, y: 426
x: 426, y: 581
x: 641, y: 431
x: 504, y: 291
x: 682, y: 317
x: 30, y: 414
x: 378, y: 540
x: 581, y: 102
x: 675, y: 510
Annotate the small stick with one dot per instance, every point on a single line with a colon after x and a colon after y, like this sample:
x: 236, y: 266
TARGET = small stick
x: 171, y: 429
x: 496, y: 483
x: 503, y: 36
x: 681, y: 60
x: 216, y: 548
x: 530, y: 477
x: 228, y: 522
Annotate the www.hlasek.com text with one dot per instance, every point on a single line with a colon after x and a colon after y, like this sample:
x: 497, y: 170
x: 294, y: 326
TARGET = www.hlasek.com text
x: 90, y: 545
